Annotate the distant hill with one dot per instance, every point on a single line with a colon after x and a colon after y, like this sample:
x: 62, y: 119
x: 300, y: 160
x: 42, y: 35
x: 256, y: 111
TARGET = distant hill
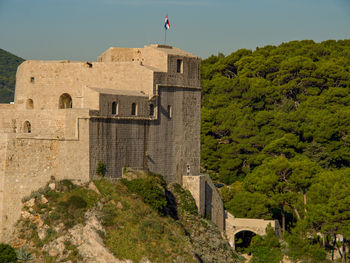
x: 8, y: 67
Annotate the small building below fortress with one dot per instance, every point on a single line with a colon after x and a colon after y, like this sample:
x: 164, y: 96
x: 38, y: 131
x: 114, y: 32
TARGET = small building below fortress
x: 134, y: 107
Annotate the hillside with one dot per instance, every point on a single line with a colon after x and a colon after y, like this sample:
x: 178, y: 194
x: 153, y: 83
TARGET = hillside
x: 8, y: 68
x: 137, y: 219
x: 275, y: 131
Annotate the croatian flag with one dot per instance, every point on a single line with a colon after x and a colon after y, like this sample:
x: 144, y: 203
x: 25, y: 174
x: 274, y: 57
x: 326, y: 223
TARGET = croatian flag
x: 167, y: 24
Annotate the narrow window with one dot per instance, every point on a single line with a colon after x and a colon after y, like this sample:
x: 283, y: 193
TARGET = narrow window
x: 65, y: 101
x: 170, y: 112
x: 114, y: 108
x: 27, y: 127
x: 179, y: 66
x: 133, y: 109
x: 29, y: 104
x: 151, y: 110
x: 32, y: 79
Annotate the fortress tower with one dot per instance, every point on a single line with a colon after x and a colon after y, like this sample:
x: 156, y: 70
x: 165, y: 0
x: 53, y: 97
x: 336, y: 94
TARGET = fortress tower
x: 135, y: 107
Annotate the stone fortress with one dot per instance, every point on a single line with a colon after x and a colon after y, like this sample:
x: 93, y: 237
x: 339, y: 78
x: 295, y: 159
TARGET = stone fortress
x: 134, y: 107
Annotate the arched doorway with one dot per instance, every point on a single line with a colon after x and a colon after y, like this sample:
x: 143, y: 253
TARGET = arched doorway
x: 243, y: 239
x: 65, y: 101
x: 27, y: 127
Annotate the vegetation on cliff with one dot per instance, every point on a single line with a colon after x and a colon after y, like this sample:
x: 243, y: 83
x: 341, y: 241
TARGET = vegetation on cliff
x: 8, y: 68
x: 275, y: 131
x: 110, y: 221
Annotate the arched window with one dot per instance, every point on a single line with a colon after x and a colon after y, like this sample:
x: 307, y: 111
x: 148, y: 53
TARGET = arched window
x: 151, y: 110
x: 27, y: 127
x: 29, y: 104
x: 133, y: 109
x: 65, y: 101
x: 114, y: 108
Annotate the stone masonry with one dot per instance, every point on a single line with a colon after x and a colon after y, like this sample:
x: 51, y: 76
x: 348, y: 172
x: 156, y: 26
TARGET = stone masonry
x: 135, y: 107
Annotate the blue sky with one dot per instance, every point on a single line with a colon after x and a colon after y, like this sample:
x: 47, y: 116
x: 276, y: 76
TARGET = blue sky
x: 82, y: 29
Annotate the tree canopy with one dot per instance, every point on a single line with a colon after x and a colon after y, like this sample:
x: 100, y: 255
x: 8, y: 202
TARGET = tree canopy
x: 8, y: 68
x: 275, y: 130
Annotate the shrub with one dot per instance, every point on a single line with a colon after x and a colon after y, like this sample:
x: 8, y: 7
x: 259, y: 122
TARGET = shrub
x: 266, y: 248
x: 77, y: 202
x: 187, y: 203
x: 65, y: 185
x: 108, y: 216
x: 7, y: 253
x: 150, y: 192
x: 101, y: 169
x: 23, y: 255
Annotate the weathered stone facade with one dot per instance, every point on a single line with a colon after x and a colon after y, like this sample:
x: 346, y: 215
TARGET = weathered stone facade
x: 135, y: 107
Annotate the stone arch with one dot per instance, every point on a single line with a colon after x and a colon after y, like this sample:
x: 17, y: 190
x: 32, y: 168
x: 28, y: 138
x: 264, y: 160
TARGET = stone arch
x: 27, y: 127
x: 246, y: 234
x: 29, y: 104
x: 65, y: 101
x: 246, y: 229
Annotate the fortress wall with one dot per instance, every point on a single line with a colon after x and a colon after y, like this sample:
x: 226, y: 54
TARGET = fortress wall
x: 42, y: 123
x: 116, y: 144
x: 161, y: 136
x: 124, y: 105
x: 7, y: 119
x: 3, y: 147
x: 91, y: 99
x: 175, y: 138
x: 155, y: 58
x: 74, y: 154
x: 117, y: 54
x: 188, y: 133
x: 214, y: 207
x: 190, y: 76
x: 52, y: 79
x: 29, y: 165
x: 207, y: 198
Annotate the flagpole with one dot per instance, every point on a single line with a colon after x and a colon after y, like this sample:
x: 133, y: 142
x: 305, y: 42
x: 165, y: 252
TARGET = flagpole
x: 165, y: 36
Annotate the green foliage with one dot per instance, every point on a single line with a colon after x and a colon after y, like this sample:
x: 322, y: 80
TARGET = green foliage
x: 150, y: 191
x: 74, y: 202
x: 23, y: 255
x: 266, y: 248
x: 101, y: 169
x: 109, y: 214
x: 187, y: 203
x: 65, y: 185
x: 7, y: 253
x: 285, y: 100
x: 8, y: 68
x: 69, y: 205
x: 304, y: 249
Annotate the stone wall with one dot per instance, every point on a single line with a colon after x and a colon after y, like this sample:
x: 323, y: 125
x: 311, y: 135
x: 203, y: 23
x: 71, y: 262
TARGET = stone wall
x: 150, y: 143
x: 257, y: 226
x: 24, y: 175
x: 207, y: 198
x: 51, y: 80
x: 27, y: 162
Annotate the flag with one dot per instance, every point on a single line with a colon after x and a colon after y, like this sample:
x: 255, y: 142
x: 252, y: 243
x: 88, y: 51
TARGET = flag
x: 167, y: 24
